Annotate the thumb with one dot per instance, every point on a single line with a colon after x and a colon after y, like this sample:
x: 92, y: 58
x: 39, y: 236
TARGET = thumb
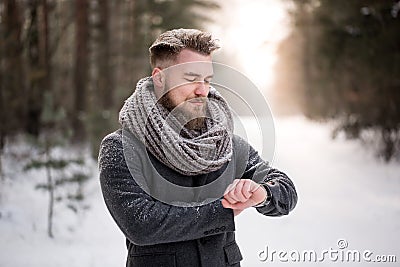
x: 226, y: 204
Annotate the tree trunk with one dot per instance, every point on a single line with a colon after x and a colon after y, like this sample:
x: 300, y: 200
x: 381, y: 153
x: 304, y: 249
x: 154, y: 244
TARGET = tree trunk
x: 101, y: 102
x: 51, y: 188
x: 11, y: 73
x: 104, y: 82
x: 81, y: 68
x: 38, y: 64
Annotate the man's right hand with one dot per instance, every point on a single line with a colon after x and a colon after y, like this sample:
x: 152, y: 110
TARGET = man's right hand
x: 242, y: 194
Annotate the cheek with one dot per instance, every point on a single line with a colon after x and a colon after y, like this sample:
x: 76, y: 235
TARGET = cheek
x: 183, y: 93
x: 188, y: 90
x: 175, y: 97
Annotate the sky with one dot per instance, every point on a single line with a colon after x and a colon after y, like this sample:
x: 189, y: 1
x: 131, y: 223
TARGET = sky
x: 251, y: 31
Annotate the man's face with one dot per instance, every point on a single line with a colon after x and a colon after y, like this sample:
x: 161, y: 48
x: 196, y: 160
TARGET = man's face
x: 187, y: 85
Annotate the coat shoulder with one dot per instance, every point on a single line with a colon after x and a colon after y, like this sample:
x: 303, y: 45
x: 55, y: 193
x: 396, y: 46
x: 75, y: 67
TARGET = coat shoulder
x: 115, y: 136
x: 111, y: 150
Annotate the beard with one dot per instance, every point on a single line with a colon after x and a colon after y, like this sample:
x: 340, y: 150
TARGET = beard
x: 193, y: 117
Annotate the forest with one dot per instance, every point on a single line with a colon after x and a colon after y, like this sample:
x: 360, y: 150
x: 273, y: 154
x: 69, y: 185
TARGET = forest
x: 67, y: 66
x: 343, y: 58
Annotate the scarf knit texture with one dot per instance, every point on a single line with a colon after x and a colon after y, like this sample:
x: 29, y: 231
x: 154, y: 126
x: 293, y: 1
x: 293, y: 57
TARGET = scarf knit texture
x: 189, y: 152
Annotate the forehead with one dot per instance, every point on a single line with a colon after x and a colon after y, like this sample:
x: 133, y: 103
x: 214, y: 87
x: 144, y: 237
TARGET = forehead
x: 189, y: 61
x: 187, y: 55
x: 191, y: 69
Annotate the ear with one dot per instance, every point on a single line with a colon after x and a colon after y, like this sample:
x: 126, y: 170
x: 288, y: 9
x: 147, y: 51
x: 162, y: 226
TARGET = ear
x: 158, y: 78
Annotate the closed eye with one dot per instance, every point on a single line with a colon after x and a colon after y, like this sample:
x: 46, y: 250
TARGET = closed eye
x: 190, y: 79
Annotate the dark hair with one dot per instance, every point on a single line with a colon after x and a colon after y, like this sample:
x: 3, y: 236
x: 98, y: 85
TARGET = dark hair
x: 168, y: 45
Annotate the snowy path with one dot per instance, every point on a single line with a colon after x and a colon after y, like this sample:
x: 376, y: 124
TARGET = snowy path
x: 344, y: 193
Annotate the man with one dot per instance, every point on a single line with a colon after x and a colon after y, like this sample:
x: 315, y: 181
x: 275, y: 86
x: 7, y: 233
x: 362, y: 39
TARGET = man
x: 175, y: 175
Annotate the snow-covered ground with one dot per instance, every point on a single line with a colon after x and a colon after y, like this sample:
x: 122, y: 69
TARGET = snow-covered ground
x: 344, y: 194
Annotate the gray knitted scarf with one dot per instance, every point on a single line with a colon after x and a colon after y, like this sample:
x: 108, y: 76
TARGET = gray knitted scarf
x: 187, y: 151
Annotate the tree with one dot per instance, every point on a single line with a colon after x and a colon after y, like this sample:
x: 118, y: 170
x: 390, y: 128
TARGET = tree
x: 38, y: 62
x: 101, y: 105
x: 351, y: 62
x: 87, y: 55
x: 81, y: 67
x: 11, y: 72
x: 56, y: 167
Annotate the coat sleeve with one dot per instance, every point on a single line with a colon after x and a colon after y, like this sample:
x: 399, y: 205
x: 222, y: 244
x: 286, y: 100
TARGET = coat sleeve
x: 280, y: 188
x: 145, y: 220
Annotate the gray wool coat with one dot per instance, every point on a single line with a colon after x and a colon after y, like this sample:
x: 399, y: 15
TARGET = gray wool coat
x: 159, y: 234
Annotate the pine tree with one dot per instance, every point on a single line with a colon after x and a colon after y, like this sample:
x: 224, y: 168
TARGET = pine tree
x: 61, y: 171
x: 351, y: 66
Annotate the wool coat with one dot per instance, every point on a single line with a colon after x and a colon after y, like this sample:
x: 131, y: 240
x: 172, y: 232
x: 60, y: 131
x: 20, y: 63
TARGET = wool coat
x: 161, y: 234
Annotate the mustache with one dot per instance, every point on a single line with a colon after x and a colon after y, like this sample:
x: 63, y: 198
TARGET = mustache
x: 198, y: 100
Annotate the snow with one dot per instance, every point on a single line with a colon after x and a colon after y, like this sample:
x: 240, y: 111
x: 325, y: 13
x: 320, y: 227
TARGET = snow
x: 344, y: 193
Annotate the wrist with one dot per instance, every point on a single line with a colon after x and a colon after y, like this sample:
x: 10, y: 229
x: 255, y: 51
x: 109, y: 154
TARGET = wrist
x: 265, y: 200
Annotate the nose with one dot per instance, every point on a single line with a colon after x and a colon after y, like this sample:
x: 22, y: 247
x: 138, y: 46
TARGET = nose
x: 202, y: 89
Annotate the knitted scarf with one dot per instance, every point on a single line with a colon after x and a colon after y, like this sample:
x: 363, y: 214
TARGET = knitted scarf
x: 187, y: 151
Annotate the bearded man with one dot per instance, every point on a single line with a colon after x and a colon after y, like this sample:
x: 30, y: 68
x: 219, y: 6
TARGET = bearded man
x: 175, y: 176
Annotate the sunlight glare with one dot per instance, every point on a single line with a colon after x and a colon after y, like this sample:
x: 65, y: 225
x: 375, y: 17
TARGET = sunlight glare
x: 253, y: 33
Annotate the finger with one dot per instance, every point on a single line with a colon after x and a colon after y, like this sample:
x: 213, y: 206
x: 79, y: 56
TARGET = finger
x: 254, y: 186
x: 232, y: 193
x: 259, y: 189
x: 228, y: 188
x: 238, y: 192
x: 225, y: 204
x: 229, y: 199
x: 231, y: 186
x: 259, y: 194
x: 246, y: 188
x: 242, y: 205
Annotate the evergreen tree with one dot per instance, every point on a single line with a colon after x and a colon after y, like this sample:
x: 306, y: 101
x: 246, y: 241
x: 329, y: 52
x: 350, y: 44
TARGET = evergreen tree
x: 351, y: 66
x: 65, y: 176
